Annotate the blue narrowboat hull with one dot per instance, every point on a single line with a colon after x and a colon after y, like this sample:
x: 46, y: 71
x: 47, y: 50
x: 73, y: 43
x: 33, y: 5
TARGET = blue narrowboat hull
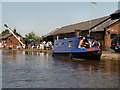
x: 84, y: 55
x: 94, y: 54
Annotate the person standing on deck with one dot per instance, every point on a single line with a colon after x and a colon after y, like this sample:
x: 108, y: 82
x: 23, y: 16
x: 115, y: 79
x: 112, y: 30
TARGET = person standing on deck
x: 95, y: 43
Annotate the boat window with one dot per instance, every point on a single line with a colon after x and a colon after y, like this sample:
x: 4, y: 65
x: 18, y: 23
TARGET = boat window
x: 59, y: 44
x: 62, y: 44
x: 70, y: 44
x: 56, y: 45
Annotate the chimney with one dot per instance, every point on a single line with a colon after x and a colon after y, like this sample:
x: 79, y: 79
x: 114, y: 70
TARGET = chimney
x: 77, y: 32
x: 14, y: 30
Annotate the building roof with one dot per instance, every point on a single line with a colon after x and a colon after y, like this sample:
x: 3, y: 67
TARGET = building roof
x: 116, y: 12
x: 83, y: 26
x: 115, y: 15
x: 102, y: 26
x: 7, y: 35
x: 51, y: 33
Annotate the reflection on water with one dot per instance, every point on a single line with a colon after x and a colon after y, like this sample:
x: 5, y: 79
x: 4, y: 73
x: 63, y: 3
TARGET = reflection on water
x: 40, y: 70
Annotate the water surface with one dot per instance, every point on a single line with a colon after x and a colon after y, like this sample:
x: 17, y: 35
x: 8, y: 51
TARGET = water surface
x: 22, y: 69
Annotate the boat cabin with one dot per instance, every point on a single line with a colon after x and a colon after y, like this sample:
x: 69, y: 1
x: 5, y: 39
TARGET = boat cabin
x: 68, y: 43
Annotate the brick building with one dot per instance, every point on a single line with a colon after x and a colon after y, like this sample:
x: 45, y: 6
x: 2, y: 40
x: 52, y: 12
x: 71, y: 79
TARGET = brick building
x: 104, y: 29
x: 111, y: 31
x: 10, y: 41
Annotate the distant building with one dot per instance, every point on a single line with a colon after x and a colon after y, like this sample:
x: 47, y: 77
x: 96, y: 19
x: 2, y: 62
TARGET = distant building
x: 104, y: 29
x: 10, y: 40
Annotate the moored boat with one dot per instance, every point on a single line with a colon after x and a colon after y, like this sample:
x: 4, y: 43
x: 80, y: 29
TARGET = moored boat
x: 69, y: 47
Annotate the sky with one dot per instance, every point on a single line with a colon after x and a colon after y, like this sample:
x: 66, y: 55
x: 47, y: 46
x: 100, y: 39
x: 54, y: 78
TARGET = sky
x: 43, y: 17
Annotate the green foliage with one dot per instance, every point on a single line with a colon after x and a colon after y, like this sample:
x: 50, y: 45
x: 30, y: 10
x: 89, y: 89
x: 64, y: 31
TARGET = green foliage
x: 5, y: 32
x: 42, y: 38
x: 0, y: 34
x: 31, y: 35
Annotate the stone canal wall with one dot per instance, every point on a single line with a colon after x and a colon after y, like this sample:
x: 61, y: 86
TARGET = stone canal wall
x: 110, y: 55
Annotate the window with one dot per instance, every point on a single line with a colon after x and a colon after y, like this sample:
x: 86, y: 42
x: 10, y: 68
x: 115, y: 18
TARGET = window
x: 10, y: 39
x: 70, y: 44
x: 56, y: 45
x: 62, y: 44
x: 59, y: 44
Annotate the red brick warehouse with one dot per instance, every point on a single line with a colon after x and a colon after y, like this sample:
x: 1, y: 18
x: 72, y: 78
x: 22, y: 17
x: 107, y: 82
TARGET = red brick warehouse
x: 9, y: 40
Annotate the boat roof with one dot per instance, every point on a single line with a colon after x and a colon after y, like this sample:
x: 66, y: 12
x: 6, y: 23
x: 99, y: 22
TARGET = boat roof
x: 74, y: 38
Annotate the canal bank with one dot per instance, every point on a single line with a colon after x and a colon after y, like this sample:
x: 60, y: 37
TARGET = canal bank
x: 106, y: 55
x: 110, y: 55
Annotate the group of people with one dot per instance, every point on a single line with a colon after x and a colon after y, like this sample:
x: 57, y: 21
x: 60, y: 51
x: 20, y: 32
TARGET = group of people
x: 43, y: 46
x: 84, y: 43
x: 46, y: 45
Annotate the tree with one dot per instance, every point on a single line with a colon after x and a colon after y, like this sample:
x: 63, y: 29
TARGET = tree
x: 0, y: 34
x: 42, y: 37
x: 5, y: 32
x: 31, y: 35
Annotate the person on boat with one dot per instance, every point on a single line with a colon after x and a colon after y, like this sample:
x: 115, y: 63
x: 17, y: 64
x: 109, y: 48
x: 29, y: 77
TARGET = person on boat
x: 84, y: 43
x: 95, y: 43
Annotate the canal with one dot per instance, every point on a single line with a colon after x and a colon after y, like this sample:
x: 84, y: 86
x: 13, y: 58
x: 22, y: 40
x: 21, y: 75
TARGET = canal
x: 22, y: 69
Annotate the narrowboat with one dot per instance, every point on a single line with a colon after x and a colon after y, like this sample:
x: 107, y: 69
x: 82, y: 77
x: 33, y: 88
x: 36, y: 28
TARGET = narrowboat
x: 70, y: 47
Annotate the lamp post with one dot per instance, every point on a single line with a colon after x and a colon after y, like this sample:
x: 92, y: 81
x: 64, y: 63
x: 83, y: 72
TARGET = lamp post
x: 93, y: 3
